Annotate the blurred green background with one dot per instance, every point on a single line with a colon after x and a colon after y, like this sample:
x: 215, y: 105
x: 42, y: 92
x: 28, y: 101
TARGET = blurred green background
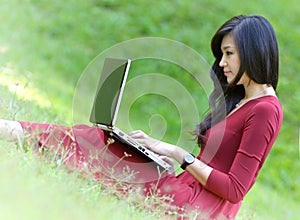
x: 46, y: 45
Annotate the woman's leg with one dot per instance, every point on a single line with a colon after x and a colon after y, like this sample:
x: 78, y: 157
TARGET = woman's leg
x: 91, y: 152
x: 83, y: 147
x: 11, y: 130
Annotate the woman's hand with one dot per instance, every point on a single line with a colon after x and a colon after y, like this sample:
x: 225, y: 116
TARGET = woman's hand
x: 159, y: 147
x: 198, y: 169
x: 152, y: 144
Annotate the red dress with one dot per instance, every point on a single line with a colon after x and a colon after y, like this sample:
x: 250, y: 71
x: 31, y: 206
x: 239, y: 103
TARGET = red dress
x: 236, y: 148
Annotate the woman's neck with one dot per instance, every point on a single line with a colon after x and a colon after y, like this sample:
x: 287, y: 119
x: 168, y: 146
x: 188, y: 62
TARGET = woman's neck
x: 255, y: 90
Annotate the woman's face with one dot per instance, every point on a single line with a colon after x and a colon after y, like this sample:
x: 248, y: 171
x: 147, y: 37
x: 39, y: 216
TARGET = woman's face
x: 230, y: 61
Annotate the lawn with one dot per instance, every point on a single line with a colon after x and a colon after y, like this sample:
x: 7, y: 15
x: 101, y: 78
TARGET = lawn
x: 46, y: 52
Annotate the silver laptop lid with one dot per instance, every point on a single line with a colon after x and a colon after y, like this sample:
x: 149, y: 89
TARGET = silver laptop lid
x: 109, y: 92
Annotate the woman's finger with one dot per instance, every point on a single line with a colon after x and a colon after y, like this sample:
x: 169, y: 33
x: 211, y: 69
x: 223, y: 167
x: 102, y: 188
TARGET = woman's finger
x: 137, y: 134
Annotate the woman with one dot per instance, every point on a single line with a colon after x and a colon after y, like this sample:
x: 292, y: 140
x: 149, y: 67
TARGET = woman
x: 233, y: 145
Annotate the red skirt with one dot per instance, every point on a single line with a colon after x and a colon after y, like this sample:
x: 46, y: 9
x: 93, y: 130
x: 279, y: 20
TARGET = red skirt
x: 89, y: 150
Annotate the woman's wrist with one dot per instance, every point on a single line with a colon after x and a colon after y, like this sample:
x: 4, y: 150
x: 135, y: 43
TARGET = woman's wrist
x: 177, y: 153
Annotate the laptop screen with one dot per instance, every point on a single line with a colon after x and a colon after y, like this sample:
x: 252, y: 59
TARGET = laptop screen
x: 109, y: 92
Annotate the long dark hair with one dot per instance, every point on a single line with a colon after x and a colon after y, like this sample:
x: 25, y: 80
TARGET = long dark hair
x: 257, y: 47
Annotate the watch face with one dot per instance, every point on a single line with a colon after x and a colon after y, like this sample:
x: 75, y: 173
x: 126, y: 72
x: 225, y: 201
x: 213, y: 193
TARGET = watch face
x: 189, y: 158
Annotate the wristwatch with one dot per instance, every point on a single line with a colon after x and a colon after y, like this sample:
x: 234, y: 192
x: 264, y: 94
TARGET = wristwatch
x: 187, y: 160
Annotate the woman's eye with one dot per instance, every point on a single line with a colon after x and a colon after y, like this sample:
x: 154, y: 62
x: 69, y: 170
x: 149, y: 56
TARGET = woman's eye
x: 228, y: 53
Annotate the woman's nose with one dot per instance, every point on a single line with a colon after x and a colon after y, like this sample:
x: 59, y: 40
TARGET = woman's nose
x: 222, y: 63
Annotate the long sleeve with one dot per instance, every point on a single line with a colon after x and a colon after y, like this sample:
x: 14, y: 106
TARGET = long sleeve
x: 260, y: 130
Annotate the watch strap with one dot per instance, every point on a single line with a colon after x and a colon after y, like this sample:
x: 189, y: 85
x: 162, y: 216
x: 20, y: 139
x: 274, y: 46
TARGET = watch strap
x: 185, y: 163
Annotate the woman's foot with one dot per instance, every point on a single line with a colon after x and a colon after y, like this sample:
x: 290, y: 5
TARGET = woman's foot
x: 11, y: 130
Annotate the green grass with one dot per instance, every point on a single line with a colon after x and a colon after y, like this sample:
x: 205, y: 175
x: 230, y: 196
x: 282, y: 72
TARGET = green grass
x: 46, y: 45
x: 33, y: 189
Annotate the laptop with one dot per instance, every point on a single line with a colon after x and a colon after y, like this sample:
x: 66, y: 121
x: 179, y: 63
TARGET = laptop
x: 107, y: 102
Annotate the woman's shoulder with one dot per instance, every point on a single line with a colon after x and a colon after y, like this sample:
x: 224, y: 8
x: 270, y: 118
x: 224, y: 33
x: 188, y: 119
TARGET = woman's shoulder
x: 266, y: 106
x: 267, y: 102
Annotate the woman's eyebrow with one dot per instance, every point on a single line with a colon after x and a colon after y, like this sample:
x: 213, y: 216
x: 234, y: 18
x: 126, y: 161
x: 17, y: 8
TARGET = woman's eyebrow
x: 227, y: 47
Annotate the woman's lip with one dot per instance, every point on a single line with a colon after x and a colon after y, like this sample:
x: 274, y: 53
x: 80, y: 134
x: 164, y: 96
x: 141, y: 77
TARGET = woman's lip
x: 226, y: 73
